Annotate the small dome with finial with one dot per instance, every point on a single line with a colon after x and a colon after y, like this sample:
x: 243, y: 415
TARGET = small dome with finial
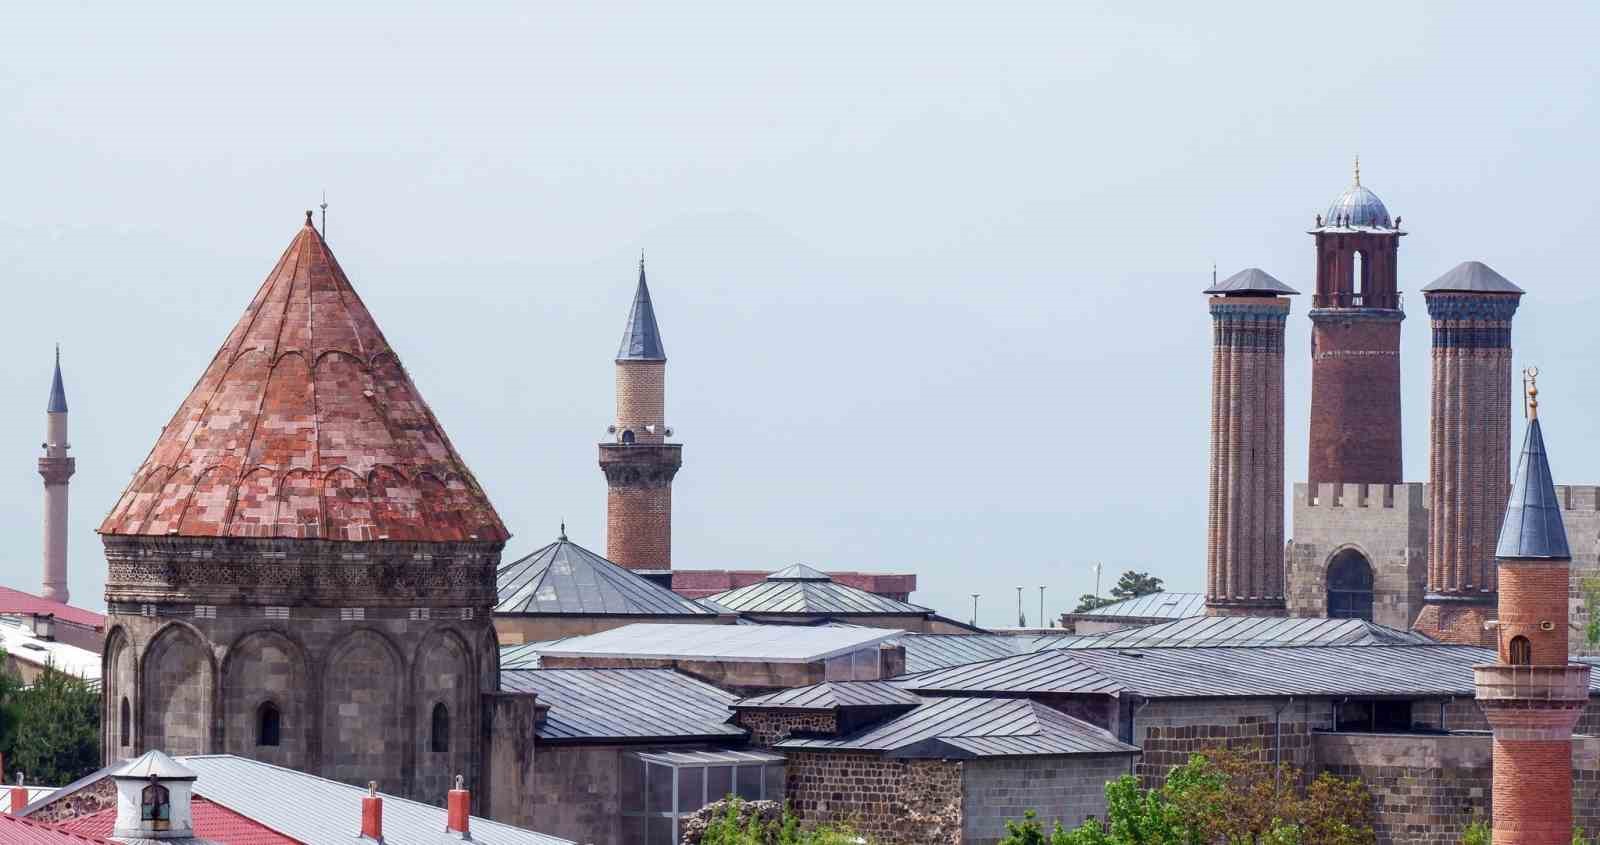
x: 1357, y: 208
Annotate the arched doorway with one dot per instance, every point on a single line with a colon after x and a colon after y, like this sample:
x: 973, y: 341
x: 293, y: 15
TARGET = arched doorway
x: 1350, y: 586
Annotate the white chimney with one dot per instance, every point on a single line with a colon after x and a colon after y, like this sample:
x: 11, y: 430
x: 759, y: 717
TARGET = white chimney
x: 153, y: 792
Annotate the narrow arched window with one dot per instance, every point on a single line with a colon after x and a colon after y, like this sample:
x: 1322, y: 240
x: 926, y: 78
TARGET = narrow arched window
x: 1350, y: 586
x: 440, y: 741
x: 269, y: 724
x: 627, y: 436
x: 1358, y: 276
x: 155, y: 807
x: 1521, y: 652
x: 124, y: 721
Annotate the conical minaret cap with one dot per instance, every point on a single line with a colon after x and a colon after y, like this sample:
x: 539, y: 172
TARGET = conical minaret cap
x: 1533, y: 527
x: 641, y: 338
x: 58, y: 393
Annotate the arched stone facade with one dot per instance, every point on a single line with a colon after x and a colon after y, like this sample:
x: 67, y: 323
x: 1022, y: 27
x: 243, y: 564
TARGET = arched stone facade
x: 443, y: 674
x: 178, y: 687
x: 262, y: 667
x: 364, y: 713
x: 120, y: 696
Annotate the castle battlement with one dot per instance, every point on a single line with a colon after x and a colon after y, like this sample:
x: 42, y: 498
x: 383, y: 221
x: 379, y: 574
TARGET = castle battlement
x: 1578, y: 497
x: 1408, y: 495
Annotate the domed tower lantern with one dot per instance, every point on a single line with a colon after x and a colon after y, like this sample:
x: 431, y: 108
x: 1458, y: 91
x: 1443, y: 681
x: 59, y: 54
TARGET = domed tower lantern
x: 1355, y: 342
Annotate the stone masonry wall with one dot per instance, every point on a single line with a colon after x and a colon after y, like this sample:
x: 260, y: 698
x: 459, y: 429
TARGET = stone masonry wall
x: 86, y: 800
x: 575, y: 794
x: 1171, y: 731
x: 1064, y: 789
x: 893, y: 802
x: 1387, y: 524
x: 769, y: 726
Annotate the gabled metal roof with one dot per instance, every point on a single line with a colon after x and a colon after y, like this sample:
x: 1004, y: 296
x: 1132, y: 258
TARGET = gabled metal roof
x: 799, y: 572
x: 1533, y: 526
x: 1162, y: 605
x: 564, y: 577
x: 1217, y: 631
x: 641, y: 339
x: 936, y: 651
x: 152, y: 764
x: 803, y: 594
x: 751, y: 643
x: 1251, y: 280
x: 319, y: 811
x: 1472, y: 277
x: 526, y: 655
x: 625, y: 704
x: 974, y: 727
x: 58, y: 394
x: 833, y: 695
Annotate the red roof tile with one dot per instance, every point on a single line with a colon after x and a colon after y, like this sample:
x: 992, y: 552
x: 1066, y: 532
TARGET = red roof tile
x: 18, y: 602
x: 15, y: 831
x: 305, y: 425
x: 211, y: 821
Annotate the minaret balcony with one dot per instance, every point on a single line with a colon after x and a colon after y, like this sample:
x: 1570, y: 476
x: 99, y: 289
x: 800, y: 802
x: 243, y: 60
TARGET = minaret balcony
x: 1390, y: 301
x: 1500, y: 682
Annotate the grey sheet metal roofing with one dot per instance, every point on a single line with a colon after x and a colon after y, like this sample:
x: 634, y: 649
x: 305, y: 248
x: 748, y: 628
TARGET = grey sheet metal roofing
x: 973, y: 727
x: 803, y: 590
x: 1154, y: 606
x: 1416, y: 671
x: 1533, y: 526
x: 763, y: 643
x: 1245, y: 631
x: 708, y: 758
x: 641, y: 339
x: 1472, y: 277
x: 526, y: 655
x: 625, y: 704
x: 832, y: 695
x: 1357, y: 208
x: 319, y: 811
x: 936, y: 651
x: 564, y: 577
x: 1251, y: 280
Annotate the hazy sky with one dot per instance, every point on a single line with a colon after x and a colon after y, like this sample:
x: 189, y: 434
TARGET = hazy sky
x: 928, y: 274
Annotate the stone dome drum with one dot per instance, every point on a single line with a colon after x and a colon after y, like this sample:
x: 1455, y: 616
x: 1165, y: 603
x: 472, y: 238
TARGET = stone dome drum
x: 1358, y: 207
x: 305, y: 425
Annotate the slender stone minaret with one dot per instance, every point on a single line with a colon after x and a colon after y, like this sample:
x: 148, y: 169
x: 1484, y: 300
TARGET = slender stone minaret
x: 1470, y: 444
x: 1532, y: 696
x: 639, y: 464
x: 1244, y: 540
x: 1355, y: 343
x: 56, y: 468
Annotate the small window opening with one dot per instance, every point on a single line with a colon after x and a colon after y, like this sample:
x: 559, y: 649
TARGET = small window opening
x: 627, y: 436
x: 1358, y: 275
x: 440, y: 740
x: 1350, y: 586
x: 155, y: 807
x: 123, y: 721
x: 269, y: 725
x: 1521, y: 652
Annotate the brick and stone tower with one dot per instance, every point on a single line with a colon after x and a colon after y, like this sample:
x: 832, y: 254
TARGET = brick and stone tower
x: 639, y: 464
x: 1355, y: 344
x: 1532, y: 696
x: 1244, y: 539
x: 1470, y: 308
x: 57, y: 469
x: 303, y: 569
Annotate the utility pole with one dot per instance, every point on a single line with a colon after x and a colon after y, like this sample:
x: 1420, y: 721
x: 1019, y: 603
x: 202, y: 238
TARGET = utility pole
x: 974, y: 610
x: 1022, y: 621
x: 1041, y: 607
x: 1098, y: 567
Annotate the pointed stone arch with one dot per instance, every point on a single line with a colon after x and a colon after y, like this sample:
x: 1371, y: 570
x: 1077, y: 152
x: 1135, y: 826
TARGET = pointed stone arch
x: 268, y: 666
x: 119, y: 676
x: 443, y: 673
x: 364, y: 716
x: 177, y: 691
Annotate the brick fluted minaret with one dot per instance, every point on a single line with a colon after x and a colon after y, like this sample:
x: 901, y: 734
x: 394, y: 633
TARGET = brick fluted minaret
x: 1470, y: 308
x: 1355, y: 344
x: 1244, y: 538
x: 639, y: 464
x: 57, y: 469
x: 1532, y: 696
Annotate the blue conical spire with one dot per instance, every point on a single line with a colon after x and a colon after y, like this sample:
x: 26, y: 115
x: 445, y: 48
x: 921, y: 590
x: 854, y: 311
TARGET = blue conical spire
x: 58, y: 394
x: 641, y: 339
x: 1533, y: 527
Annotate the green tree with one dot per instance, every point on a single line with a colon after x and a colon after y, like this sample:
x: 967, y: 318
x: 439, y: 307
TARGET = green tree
x: 57, y: 729
x: 1090, y: 601
x: 1134, y: 584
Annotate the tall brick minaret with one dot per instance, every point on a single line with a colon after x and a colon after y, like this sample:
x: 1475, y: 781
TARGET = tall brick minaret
x: 56, y: 468
x: 1355, y: 343
x: 1244, y: 538
x: 1470, y: 308
x: 639, y: 464
x: 1532, y: 696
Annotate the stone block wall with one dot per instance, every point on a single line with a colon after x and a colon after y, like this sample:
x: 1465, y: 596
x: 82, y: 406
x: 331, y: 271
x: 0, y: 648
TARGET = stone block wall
x: 1386, y: 523
x: 769, y: 726
x: 1170, y: 732
x: 894, y: 802
x: 575, y: 794
x: 85, y: 801
x: 1064, y: 789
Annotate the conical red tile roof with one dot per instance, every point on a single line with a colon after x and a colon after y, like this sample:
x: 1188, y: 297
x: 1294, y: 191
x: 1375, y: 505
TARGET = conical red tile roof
x: 305, y: 425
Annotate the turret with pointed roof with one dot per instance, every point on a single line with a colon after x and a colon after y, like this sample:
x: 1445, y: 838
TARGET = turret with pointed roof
x: 638, y: 462
x: 57, y: 468
x: 305, y: 514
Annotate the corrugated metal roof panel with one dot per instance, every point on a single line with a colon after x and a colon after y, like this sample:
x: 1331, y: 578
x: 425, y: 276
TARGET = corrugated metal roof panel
x: 812, y: 597
x: 625, y: 704
x: 1235, y: 631
x: 319, y: 811
x: 977, y: 726
x: 833, y: 695
x: 764, y: 643
x: 564, y: 577
x: 708, y: 758
x: 1162, y: 605
x: 936, y: 651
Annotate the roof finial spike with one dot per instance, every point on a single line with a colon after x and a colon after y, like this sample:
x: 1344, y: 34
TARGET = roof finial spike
x: 563, y: 530
x: 1358, y: 170
x: 1530, y: 399
x: 324, y: 213
x: 1213, y: 272
x: 308, y: 218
